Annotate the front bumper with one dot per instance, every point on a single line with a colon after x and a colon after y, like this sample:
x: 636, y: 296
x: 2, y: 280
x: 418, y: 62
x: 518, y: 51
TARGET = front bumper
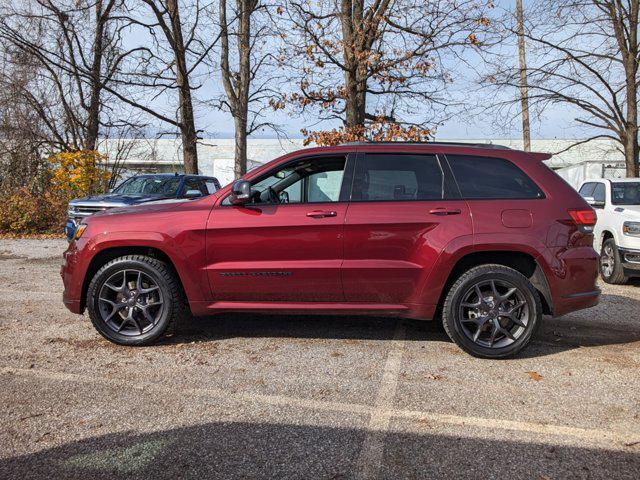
x: 72, y: 273
x: 630, y: 259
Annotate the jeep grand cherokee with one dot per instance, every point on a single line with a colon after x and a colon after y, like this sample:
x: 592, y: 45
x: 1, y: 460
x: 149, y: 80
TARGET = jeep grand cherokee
x: 484, y: 239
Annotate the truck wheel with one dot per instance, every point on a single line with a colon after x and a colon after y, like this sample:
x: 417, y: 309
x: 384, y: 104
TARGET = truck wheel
x: 492, y: 311
x: 611, y: 269
x: 135, y: 299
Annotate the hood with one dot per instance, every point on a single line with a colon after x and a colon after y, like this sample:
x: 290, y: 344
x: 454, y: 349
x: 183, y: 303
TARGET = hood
x: 143, y: 208
x: 630, y: 211
x: 116, y: 200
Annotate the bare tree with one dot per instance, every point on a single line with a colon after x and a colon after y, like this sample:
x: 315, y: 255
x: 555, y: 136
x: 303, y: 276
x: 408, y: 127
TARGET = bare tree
x: 72, y: 64
x: 380, y: 67
x: 524, y: 91
x: 22, y: 133
x: 584, y: 57
x: 248, y: 86
x: 166, y: 61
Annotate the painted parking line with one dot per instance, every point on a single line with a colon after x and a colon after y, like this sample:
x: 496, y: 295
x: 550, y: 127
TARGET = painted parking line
x: 371, y: 455
x: 608, y: 439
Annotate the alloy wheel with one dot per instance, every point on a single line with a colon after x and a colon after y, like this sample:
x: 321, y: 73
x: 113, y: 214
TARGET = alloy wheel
x: 607, y: 261
x: 493, y: 313
x: 130, y: 302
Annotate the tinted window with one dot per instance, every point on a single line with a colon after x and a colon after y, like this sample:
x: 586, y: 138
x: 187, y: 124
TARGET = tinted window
x: 382, y: 177
x: 486, y: 177
x: 599, y: 192
x: 587, y: 189
x: 625, y: 193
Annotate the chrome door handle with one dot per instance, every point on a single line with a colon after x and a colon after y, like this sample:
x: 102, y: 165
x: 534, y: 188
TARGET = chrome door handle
x: 322, y: 214
x: 445, y: 211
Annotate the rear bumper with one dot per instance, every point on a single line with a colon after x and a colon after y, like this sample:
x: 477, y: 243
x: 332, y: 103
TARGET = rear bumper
x: 578, y: 301
x: 572, y: 274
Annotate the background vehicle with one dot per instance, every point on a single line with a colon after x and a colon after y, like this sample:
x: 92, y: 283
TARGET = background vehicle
x: 487, y: 239
x: 137, y: 190
x: 617, y: 231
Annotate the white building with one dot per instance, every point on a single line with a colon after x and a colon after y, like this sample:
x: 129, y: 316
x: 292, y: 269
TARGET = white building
x: 215, y: 156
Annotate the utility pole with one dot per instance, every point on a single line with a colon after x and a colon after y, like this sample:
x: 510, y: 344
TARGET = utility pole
x: 524, y: 90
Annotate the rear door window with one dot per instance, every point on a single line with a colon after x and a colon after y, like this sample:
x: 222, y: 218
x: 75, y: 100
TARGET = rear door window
x: 491, y: 178
x: 195, y: 184
x: 396, y: 177
x: 210, y: 183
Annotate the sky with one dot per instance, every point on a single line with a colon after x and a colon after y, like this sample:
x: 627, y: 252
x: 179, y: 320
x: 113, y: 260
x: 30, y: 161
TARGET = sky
x: 491, y: 124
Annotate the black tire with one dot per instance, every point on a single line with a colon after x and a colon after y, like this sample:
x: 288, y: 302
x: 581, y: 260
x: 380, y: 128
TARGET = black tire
x: 610, y: 264
x: 524, y: 294
x: 169, y: 290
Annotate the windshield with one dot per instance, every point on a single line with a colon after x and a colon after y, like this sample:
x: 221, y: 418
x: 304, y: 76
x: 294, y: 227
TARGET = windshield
x: 625, y: 193
x: 149, y: 186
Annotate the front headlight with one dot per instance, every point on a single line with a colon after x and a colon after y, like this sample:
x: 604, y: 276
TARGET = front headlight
x: 631, y: 228
x: 79, y: 231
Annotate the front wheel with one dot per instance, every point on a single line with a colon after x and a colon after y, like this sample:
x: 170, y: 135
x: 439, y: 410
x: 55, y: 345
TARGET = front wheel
x: 492, y: 311
x: 611, y: 269
x: 135, y: 299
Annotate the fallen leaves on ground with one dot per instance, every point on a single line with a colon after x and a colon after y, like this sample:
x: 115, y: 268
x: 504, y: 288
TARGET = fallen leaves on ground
x: 534, y: 376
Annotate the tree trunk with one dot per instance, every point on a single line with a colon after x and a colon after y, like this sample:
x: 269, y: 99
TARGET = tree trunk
x: 631, y: 151
x: 351, y: 23
x: 631, y: 69
x: 240, y: 151
x: 187, y: 122
x: 355, y: 101
x: 524, y: 93
x: 93, y: 120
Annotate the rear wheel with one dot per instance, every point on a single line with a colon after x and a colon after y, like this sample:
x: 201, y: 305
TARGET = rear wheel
x: 133, y: 300
x: 492, y: 311
x: 611, y: 269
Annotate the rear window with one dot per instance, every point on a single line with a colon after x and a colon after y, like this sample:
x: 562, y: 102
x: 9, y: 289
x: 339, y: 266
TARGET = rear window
x: 491, y: 178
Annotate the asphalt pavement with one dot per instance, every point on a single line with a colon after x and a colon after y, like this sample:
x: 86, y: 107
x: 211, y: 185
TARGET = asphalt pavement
x: 303, y: 397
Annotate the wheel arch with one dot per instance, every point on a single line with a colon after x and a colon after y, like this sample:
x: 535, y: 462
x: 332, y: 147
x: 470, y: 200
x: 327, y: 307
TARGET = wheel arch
x: 523, y: 262
x: 606, y: 235
x: 107, y: 254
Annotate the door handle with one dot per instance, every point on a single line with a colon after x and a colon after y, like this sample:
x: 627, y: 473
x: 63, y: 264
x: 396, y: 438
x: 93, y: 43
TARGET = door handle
x: 322, y: 214
x: 445, y: 211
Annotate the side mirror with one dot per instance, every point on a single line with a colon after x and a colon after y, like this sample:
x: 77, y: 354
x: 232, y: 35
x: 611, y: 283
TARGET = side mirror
x: 593, y: 202
x: 240, y: 192
x: 192, y: 194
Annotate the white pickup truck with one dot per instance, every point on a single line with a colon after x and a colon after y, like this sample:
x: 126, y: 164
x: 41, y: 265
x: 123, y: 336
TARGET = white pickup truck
x: 617, y: 231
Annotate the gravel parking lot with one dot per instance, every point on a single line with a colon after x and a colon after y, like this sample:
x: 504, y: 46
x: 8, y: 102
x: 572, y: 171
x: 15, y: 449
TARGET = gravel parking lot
x: 239, y: 396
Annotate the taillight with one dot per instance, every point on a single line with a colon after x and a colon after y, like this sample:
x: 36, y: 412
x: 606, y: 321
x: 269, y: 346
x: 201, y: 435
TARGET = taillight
x: 586, y: 217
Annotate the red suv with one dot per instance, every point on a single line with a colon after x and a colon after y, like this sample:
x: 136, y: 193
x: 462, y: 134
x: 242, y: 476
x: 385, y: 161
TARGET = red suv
x: 487, y: 239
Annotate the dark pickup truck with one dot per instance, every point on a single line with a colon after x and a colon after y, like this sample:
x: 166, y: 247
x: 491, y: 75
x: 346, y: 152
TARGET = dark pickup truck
x: 140, y: 189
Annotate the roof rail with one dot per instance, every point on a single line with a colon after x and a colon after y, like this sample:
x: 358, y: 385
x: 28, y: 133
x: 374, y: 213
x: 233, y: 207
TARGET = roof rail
x: 446, y: 144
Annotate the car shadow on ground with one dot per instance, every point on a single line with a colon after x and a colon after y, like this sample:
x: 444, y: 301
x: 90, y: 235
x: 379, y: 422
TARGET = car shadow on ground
x: 268, y: 450
x: 555, y: 334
